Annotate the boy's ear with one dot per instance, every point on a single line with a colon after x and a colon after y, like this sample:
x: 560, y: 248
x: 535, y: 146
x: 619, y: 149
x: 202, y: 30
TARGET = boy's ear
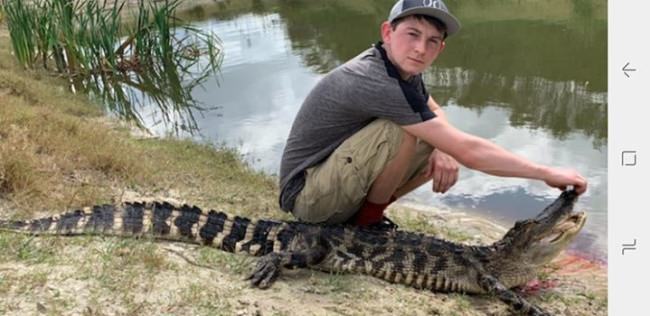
x: 442, y: 47
x: 386, y: 30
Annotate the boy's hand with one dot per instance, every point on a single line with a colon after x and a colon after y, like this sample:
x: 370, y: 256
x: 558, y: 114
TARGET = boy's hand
x: 561, y: 178
x: 444, y: 170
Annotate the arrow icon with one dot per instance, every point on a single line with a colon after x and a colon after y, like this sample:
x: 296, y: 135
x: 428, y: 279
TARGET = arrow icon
x: 626, y: 69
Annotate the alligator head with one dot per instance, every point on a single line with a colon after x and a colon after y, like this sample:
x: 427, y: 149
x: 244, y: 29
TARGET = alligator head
x: 534, y: 242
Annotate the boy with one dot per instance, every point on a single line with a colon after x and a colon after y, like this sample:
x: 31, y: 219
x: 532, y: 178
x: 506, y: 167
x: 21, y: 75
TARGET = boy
x: 369, y: 132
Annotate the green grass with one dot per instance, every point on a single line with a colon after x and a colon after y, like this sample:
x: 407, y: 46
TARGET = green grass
x: 27, y: 249
x: 88, y: 37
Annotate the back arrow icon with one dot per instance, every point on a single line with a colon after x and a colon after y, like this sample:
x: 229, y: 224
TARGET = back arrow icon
x: 625, y: 70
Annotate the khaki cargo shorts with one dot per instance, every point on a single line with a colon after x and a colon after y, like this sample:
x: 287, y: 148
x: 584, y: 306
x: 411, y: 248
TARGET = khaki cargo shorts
x: 335, y: 189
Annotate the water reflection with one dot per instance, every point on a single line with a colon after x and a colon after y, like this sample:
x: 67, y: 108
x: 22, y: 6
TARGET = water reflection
x: 544, y: 61
x: 129, y: 96
x: 263, y: 84
x: 561, y: 107
x: 530, y: 79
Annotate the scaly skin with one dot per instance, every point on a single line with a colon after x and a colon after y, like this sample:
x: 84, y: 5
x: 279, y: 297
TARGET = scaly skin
x: 412, y: 259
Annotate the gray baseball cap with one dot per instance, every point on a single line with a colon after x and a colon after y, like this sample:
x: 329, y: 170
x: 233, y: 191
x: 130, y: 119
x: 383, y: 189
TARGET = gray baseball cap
x: 433, y: 8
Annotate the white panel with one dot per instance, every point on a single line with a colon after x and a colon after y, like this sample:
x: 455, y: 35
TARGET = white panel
x: 629, y: 127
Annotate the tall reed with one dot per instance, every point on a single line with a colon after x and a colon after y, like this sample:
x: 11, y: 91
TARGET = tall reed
x: 88, y: 42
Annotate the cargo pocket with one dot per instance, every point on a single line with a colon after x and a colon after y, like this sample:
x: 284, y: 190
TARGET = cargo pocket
x: 368, y: 162
x: 354, y: 180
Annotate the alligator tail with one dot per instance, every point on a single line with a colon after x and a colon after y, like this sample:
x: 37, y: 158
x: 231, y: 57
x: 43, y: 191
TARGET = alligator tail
x: 162, y: 221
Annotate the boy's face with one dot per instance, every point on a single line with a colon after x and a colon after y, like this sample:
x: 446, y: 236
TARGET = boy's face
x: 412, y: 46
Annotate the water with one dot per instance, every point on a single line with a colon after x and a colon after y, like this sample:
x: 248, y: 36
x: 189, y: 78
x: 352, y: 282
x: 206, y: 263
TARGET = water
x: 529, y: 76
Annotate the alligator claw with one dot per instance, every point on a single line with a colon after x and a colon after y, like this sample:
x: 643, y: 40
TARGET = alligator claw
x: 266, y: 271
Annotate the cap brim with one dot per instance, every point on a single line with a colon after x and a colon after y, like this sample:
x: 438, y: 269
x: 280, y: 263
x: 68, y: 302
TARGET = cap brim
x: 449, y: 20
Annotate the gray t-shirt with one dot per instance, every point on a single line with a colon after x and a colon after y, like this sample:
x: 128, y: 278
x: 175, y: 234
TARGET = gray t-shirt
x: 347, y: 99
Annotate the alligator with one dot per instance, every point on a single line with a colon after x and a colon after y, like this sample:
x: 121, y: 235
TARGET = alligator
x: 410, y: 258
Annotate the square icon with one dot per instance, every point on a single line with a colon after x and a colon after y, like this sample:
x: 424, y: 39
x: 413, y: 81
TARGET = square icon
x: 628, y: 158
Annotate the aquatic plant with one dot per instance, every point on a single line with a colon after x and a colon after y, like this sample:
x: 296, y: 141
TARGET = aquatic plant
x: 103, y: 51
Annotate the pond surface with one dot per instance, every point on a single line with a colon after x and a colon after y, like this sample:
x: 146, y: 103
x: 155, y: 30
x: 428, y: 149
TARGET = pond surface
x: 530, y: 77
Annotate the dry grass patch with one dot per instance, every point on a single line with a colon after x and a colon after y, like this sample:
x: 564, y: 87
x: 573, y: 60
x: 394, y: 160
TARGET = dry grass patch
x: 49, y: 158
x: 58, y: 152
x: 16, y: 172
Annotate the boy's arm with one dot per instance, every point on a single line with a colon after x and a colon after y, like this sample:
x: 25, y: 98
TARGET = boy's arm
x: 480, y: 154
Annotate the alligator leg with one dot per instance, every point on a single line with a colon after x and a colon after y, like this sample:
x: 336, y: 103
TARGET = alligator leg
x: 268, y: 267
x: 493, y: 286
